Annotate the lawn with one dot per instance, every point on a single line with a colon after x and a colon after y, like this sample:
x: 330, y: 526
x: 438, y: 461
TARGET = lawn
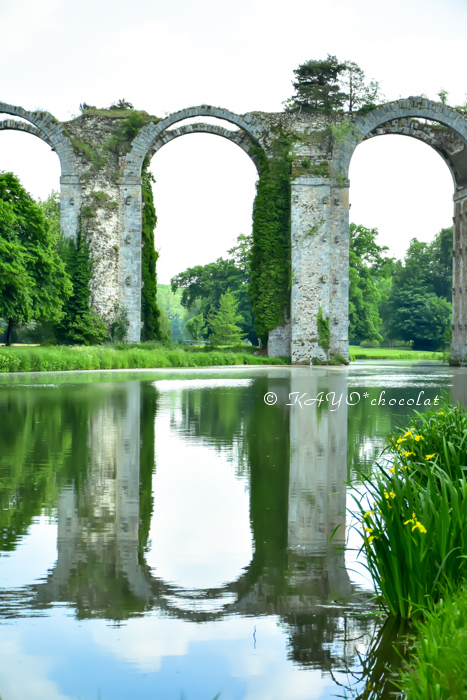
x: 358, y: 353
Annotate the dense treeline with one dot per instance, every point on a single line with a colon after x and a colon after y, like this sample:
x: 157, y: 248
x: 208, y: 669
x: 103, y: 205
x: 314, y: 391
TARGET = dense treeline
x: 389, y: 301
x: 45, y: 285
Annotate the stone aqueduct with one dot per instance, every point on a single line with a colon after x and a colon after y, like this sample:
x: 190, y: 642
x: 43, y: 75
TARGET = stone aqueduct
x: 319, y: 204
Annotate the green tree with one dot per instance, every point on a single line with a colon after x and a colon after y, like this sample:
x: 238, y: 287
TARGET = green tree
x: 358, y: 93
x: 367, y: 266
x: 29, y: 250
x: 174, y: 322
x: 197, y: 327
x: 149, y: 309
x: 421, y: 317
x: 317, y: 86
x: 80, y: 325
x: 51, y: 209
x: 202, y: 286
x: 224, y: 322
x: 418, y: 307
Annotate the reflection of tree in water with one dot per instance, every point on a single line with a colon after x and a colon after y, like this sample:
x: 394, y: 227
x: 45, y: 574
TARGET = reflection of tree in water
x: 387, y: 651
x: 219, y: 416
x: 296, y: 463
x: 43, y: 434
x: 327, y: 640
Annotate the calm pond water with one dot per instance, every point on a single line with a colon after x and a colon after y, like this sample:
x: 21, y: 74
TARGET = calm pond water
x: 166, y: 534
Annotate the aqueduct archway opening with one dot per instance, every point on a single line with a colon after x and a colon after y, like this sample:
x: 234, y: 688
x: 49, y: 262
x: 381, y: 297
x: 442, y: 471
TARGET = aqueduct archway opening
x: 203, y: 194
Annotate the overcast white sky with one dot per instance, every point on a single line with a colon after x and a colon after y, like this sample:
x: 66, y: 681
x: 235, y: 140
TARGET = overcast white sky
x: 240, y: 55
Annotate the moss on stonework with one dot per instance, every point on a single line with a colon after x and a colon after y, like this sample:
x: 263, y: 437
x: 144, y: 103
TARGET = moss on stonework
x: 324, y: 330
x: 87, y: 151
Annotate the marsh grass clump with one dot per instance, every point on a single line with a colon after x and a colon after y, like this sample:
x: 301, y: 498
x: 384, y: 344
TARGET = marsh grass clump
x: 438, y: 665
x: 414, y: 522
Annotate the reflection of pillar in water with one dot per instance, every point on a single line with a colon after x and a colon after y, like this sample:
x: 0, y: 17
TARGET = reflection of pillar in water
x: 318, y: 468
x: 98, y: 526
x: 459, y: 387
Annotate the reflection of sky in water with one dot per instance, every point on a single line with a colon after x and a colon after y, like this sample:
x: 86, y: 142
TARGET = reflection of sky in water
x: 211, y: 543
x: 202, y: 536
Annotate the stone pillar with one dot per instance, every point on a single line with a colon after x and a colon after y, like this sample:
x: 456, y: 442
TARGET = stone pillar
x: 70, y: 205
x: 130, y: 205
x: 459, y: 278
x: 339, y: 264
x: 311, y: 244
x: 317, y: 492
x: 279, y: 341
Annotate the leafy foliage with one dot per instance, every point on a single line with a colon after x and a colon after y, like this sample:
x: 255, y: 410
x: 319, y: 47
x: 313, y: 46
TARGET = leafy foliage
x: 367, y: 266
x: 119, y: 324
x: 331, y: 85
x: 418, y: 309
x: 173, y: 315
x: 80, y: 324
x: 269, y: 289
x: 34, y: 282
x: 358, y: 93
x: 224, y: 322
x: 51, y: 209
x: 149, y: 309
x: 197, y: 327
x: 317, y: 85
x: 324, y: 330
x: 202, y: 286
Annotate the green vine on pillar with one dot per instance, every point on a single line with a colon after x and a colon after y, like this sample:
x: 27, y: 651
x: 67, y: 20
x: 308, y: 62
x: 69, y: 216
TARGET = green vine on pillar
x: 324, y: 330
x: 269, y: 289
x: 149, y: 311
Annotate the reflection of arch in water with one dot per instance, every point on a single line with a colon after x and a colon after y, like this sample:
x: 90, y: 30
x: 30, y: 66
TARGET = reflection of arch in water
x: 100, y: 566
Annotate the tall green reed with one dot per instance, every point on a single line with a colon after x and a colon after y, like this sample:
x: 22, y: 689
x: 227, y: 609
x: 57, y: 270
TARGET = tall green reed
x: 413, y: 517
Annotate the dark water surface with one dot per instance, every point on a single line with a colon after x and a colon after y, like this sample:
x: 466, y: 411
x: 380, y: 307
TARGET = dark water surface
x: 165, y: 535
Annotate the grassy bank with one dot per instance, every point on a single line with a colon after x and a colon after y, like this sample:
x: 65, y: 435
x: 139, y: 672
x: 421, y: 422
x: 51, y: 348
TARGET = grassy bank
x: 63, y: 358
x: 358, y: 353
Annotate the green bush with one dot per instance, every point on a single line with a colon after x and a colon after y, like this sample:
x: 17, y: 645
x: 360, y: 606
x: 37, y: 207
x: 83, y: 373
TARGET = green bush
x: 414, y: 530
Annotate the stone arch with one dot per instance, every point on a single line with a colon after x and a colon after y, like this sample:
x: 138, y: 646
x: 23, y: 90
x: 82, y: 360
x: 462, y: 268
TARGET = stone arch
x: 240, y: 138
x: 149, y: 139
x: 443, y: 140
x: 44, y: 126
x: 411, y: 108
x: 12, y: 124
x: 451, y: 144
x: 145, y: 140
